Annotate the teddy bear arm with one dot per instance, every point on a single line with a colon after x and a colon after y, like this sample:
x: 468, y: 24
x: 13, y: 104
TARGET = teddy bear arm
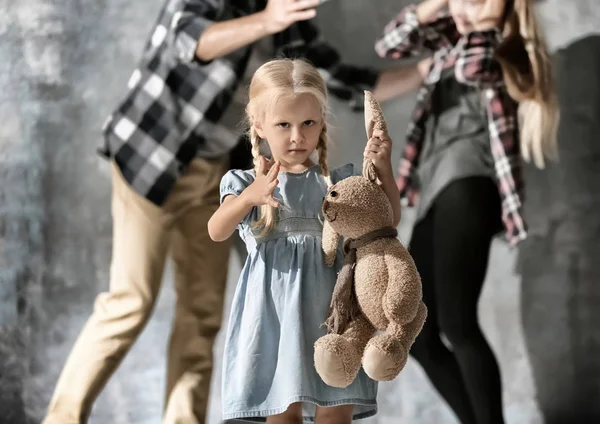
x: 404, y: 291
x: 330, y: 243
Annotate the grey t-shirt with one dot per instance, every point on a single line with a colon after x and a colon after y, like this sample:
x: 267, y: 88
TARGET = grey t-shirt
x: 457, y: 142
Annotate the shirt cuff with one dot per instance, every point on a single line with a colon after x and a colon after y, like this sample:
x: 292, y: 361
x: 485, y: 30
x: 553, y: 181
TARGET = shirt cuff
x: 408, y: 15
x: 487, y: 38
x: 187, y: 31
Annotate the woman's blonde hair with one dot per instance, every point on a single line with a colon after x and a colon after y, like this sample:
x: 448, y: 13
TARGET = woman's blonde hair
x: 275, y: 79
x: 528, y: 74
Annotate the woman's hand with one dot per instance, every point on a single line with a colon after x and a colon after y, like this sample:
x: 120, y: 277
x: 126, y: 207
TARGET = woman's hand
x: 260, y: 192
x: 428, y: 9
x: 379, y: 150
x: 489, y: 16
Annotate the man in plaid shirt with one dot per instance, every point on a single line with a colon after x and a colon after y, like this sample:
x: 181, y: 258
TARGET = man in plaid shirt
x: 169, y: 141
x: 473, y: 57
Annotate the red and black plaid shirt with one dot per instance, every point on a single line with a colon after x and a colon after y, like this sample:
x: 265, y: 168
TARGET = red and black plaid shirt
x: 472, y: 56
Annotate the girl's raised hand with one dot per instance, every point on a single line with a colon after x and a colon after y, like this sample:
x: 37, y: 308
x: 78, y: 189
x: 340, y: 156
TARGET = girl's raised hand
x: 379, y: 150
x: 260, y: 192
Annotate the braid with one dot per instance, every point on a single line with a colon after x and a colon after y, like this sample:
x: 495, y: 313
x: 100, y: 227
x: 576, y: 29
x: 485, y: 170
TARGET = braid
x: 255, y: 140
x: 322, y: 151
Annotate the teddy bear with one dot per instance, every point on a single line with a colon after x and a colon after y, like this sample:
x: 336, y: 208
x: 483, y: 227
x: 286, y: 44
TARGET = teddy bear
x: 378, y: 289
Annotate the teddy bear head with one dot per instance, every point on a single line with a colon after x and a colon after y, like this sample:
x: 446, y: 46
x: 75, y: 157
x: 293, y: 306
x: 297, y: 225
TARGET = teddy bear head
x: 352, y: 208
x: 356, y: 206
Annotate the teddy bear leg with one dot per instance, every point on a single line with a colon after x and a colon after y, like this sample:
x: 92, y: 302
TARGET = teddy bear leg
x: 386, y: 354
x: 409, y: 332
x: 384, y: 357
x: 338, y: 357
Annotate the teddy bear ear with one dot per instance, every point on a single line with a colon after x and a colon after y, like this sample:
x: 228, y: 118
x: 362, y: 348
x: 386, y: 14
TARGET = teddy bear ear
x: 330, y: 242
x: 369, y: 171
x: 374, y: 119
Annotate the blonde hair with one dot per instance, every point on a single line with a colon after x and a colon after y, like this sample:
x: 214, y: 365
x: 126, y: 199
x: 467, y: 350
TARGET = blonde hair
x: 529, y: 78
x: 271, y: 81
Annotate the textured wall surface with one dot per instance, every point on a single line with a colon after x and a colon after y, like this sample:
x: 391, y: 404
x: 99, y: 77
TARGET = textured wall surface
x: 66, y: 66
x: 559, y: 264
x: 21, y: 216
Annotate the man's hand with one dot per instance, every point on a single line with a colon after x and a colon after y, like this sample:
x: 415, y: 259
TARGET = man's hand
x: 280, y: 14
x: 222, y: 38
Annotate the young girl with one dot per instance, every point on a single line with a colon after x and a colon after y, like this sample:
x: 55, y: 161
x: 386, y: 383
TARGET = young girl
x: 283, y: 294
x: 463, y: 160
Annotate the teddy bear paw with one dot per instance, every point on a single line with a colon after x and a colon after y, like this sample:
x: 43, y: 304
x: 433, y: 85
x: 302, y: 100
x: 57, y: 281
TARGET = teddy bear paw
x: 336, y: 360
x: 384, y: 358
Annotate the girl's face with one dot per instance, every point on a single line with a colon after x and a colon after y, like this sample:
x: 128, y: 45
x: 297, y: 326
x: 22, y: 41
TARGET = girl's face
x: 292, y: 127
x: 465, y: 13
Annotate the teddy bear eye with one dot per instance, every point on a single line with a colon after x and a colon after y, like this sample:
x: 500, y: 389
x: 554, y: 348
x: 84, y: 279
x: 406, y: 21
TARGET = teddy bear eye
x: 333, y: 193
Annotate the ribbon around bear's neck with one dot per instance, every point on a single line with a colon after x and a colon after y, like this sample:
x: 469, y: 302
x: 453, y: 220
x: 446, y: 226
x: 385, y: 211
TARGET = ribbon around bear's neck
x: 344, y: 305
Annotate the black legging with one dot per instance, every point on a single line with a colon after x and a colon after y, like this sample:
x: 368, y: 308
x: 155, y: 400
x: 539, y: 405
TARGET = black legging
x: 451, y: 247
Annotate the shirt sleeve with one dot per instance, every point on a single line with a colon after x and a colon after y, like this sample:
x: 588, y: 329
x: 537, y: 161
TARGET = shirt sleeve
x: 190, y: 19
x: 476, y: 63
x: 234, y: 182
x: 404, y: 36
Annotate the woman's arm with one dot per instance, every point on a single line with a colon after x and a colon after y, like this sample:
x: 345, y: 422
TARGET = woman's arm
x: 427, y: 10
x: 417, y: 29
x: 398, y: 82
x: 477, y: 63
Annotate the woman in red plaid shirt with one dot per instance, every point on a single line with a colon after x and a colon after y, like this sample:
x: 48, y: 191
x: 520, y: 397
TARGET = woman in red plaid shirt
x: 486, y: 101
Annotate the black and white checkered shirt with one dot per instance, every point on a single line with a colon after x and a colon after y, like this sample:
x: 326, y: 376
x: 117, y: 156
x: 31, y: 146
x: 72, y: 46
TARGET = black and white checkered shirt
x: 175, y: 101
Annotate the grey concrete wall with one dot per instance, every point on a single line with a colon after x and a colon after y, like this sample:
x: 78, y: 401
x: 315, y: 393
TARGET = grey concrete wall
x: 67, y: 65
x: 559, y: 264
x: 21, y: 218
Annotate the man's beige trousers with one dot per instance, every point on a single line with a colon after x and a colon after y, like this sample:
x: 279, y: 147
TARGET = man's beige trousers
x: 143, y: 235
